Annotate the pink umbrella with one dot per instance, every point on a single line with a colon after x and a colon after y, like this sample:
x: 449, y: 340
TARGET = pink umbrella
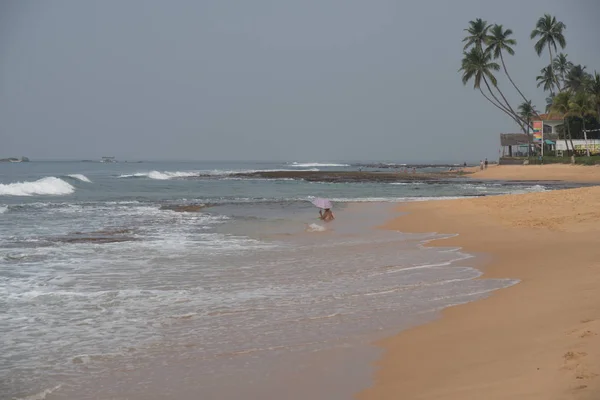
x: 322, y: 203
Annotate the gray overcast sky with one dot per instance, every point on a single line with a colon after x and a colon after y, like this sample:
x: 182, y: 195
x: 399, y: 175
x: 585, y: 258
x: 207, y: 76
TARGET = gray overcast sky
x: 262, y: 80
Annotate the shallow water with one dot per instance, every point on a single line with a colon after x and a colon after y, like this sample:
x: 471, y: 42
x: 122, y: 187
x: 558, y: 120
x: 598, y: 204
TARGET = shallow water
x: 106, y: 295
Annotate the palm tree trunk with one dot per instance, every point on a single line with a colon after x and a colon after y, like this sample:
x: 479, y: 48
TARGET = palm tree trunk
x: 499, y: 106
x: 529, y: 140
x: 552, y: 70
x: 511, y: 81
x: 509, y: 107
x: 508, y: 110
x: 587, y: 148
x: 570, y: 136
x: 565, y: 133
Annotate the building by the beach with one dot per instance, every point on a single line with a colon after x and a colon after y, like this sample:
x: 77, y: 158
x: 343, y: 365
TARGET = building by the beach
x: 542, y: 138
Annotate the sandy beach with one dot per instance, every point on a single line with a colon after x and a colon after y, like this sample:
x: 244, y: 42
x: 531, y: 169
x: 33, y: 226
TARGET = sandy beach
x: 550, y: 172
x: 538, y: 339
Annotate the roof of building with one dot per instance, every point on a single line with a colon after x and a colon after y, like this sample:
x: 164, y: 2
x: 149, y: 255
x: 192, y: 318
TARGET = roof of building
x: 549, y: 117
x: 513, y: 139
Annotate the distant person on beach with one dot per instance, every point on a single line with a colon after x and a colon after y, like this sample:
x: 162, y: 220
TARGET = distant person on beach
x: 481, y: 165
x: 486, y: 163
x: 326, y: 215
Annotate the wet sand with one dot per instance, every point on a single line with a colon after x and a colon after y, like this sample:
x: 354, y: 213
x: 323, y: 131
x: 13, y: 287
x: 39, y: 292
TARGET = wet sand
x: 538, y: 339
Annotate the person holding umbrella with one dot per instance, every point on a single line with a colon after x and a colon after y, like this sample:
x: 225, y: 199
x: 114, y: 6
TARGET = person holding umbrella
x: 325, y: 212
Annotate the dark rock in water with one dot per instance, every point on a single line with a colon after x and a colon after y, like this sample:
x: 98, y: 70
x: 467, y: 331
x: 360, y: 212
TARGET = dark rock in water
x: 99, y: 240
x: 185, y: 207
x: 350, y: 176
x: 99, y: 237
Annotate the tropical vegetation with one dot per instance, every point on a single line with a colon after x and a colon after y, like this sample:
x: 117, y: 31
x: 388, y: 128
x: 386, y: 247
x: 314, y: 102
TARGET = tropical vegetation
x: 573, y: 93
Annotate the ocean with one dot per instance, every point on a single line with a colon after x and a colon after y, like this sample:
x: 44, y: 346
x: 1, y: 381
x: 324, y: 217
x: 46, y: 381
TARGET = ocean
x: 112, y: 286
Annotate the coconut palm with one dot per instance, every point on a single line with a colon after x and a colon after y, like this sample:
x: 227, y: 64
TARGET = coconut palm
x: 499, y: 41
x: 549, y: 101
x: 594, y: 90
x: 577, y: 79
x: 562, y: 66
x: 560, y: 107
x: 547, y: 79
x: 550, y: 33
x: 527, y: 111
x: 478, y: 66
x: 581, y: 106
x: 478, y: 34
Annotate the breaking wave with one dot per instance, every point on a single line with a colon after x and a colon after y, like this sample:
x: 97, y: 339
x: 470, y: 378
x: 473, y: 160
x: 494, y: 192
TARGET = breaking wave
x: 80, y: 177
x: 45, y: 186
x: 165, y: 175
x: 161, y: 175
x: 3, y: 209
x: 309, y: 165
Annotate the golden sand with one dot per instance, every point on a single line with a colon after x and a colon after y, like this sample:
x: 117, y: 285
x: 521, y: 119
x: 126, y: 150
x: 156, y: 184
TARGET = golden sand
x: 559, y: 172
x: 539, y: 339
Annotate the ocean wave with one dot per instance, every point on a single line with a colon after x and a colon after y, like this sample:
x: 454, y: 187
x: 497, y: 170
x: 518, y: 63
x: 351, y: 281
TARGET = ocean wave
x: 316, y: 164
x: 45, y: 186
x: 3, y: 209
x: 80, y: 177
x: 165, y: 175
x: 41, y: 395
x: 315, y: 228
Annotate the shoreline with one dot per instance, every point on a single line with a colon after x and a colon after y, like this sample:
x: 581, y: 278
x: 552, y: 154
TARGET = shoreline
x: 537, y: 339
x: 509, y: 174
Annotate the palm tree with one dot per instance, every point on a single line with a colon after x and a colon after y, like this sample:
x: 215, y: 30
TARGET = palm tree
x: 577, y: 79
x: 478, y: 34
x: 549, y: 101
x: 560, y: 106
x: 550, y: 32
x: 478, y: 65
x: 581, y: 106
x: 562, y: 66
x: 594, y: 90
x: 527, y: 111
x: 498, y: 42
x: 546, y: 79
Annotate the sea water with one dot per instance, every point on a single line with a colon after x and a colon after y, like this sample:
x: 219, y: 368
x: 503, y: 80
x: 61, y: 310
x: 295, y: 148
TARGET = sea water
x: 107, y: 292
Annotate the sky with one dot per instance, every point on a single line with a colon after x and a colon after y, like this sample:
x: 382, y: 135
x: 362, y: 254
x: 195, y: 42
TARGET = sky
x: 310, y: 80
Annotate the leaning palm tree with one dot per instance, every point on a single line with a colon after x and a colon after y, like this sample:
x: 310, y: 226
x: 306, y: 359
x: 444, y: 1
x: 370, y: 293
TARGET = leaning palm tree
x: 561, y: 67
x: 546, y: 79
x: 550, y: 32
x: 581, y: 106
x: 478, y: 65
x: 577, y: 79
x: 527, y: 111
x: 478, y: 34
x: 560, y: 106
x: 499, y: 41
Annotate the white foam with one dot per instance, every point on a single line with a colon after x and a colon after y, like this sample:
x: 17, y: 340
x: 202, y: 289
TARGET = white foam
x: 315, y: 228
x: 41, y: 395
x: 316, y: 164
x: 165, y: 175
x: 45, y: 186
x: 3, y: 209
x: 80, y: 177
